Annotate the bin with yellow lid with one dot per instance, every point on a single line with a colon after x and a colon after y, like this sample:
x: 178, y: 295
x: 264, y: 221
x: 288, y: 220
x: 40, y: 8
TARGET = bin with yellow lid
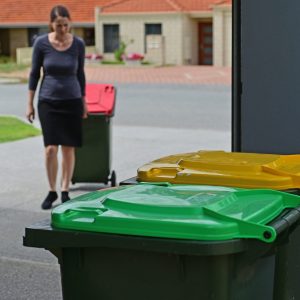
x: 246, y: 170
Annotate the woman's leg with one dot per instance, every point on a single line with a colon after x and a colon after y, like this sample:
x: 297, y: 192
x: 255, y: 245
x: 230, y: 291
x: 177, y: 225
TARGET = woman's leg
x: 68, y: 163
x: 51, y: 165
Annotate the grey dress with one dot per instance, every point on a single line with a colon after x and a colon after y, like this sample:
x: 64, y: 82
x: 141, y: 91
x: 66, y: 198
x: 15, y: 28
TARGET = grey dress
x: 62, y: 88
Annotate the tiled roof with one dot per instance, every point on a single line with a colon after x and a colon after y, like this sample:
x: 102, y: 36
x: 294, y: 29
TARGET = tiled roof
x: 82, y: 11
x: 225, y: 2
x: 140, y: 6
x: 37, y: 11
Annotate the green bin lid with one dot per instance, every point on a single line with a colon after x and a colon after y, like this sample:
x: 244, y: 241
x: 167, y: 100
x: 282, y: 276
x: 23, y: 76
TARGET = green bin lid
x: 176, y: 211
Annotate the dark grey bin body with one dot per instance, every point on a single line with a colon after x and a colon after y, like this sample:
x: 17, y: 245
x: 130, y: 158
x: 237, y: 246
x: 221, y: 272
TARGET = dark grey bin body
x: 93, y: 159
x: 111, y: 266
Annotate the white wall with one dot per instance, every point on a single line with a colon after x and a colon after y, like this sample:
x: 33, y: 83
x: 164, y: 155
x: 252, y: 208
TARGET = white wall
x: 222, y: 36
x: 18, y: 38
x: 191, y: 37
x: 132, y: 27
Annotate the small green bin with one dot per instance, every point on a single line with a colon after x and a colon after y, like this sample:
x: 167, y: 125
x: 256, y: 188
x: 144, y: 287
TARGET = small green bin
x: 163, y: 241
x: 93, y: 159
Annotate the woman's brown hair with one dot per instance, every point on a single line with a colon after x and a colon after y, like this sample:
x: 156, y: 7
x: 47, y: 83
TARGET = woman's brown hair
x: 58, y: 11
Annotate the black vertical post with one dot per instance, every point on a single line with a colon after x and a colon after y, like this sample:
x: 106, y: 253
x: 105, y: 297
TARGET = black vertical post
x: 236, y: 89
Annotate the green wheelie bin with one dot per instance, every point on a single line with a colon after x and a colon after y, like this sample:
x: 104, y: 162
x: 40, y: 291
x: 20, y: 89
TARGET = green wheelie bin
x: 248, y: 170
x: 93, y: 159
x: 163, y: 241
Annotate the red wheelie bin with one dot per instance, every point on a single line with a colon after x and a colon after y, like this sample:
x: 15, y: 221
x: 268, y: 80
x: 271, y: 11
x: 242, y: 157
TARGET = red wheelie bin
x: 93, y: 159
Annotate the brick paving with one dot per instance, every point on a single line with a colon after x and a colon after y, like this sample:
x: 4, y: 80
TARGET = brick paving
x: 149, y: 74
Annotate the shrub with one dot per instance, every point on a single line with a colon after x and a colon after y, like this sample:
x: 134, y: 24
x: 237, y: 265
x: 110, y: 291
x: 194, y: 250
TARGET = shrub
x: 5, y: 59
x: 120, y: 51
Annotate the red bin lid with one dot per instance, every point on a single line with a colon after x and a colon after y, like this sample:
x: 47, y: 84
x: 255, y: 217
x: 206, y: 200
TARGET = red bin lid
x: 100, y: 98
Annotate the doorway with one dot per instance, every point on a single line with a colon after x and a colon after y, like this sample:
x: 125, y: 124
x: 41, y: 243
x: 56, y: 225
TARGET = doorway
x: 205, y: 43
x: 4, y: 42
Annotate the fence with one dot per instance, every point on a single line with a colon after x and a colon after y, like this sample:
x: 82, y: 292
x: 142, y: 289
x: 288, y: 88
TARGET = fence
x: 24, y: 54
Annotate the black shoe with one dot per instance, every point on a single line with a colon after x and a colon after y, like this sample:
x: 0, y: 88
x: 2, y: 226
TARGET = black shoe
x: 65, y: 196
x: 51, y: 197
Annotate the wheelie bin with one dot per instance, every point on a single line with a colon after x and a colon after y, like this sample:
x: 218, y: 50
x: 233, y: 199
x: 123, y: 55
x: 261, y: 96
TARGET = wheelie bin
x: 163, y: 241
x: 93, y: 159
x: 248, y: 170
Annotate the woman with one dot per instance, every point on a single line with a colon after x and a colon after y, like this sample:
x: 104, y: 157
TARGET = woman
x: 61, y: 103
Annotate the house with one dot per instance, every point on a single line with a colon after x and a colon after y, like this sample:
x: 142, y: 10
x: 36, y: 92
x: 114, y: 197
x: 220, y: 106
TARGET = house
x: 176, y: 32
x: 21, y: 21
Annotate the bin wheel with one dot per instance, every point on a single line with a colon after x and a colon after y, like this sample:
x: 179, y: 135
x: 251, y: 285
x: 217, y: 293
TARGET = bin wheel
x: 113, y: 178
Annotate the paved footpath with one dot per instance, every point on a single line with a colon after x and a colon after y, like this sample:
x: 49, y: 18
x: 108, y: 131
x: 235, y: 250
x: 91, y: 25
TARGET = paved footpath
x: 149, y: 74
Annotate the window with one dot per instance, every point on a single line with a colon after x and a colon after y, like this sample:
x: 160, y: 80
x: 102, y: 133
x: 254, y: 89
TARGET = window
x: 111, y: 37
x: 89, y: 36
x: 33, y: 33
x: 151, y: 29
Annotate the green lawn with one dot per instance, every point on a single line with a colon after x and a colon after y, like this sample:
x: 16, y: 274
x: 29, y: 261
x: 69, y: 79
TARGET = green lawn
x: 11, y: 67
x: 8, y: 65
x: 12, y: 129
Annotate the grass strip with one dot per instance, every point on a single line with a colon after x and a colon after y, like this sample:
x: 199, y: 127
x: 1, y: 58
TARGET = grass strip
x: 11, y: 67
x: 12, y: 129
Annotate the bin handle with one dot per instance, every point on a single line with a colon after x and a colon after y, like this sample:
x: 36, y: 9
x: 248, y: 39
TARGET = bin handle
x: 285, y: 221
x: 266, y: 233
x: 108, y: 88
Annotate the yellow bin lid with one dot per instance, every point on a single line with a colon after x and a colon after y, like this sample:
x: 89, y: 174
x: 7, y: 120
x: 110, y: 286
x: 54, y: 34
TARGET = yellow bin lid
x: 246, y: 170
